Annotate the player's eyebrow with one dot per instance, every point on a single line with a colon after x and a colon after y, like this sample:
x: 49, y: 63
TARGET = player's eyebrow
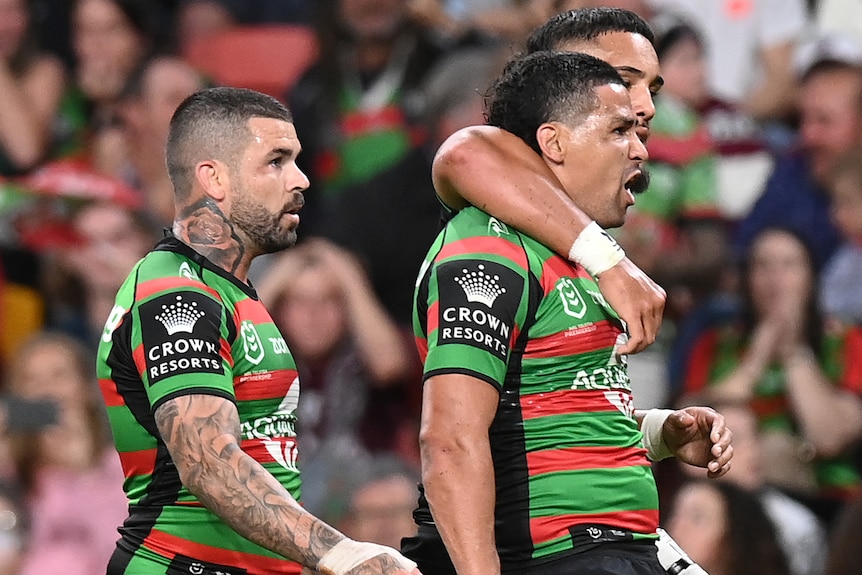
x: 286, y: 152
x: 657, y: 83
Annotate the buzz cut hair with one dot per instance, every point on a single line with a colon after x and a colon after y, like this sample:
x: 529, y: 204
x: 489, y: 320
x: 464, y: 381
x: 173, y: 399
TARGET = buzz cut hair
x: 585, y: 25
x: 545, y: 87
x: 212, y: 124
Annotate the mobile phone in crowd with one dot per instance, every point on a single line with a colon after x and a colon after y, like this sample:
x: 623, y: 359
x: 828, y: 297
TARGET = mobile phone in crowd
x: 27, y: 415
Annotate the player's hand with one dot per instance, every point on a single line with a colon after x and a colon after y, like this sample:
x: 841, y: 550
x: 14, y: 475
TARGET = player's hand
x: 699, y: 436
x: 637, y: 299
x: 360, y: 558
x: 385, y: 564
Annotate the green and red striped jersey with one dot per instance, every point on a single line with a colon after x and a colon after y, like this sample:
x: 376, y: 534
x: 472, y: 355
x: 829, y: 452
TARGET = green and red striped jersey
x: 182, y: 325
x: 718, y: 352
x: 569, y: 463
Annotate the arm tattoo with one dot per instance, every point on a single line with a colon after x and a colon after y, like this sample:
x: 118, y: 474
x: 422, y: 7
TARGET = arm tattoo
x: 202, y: 434
x: 204, y: 227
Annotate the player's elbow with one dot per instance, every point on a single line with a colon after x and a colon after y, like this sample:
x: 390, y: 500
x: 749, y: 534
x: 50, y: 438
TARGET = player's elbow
x: 441, y: 448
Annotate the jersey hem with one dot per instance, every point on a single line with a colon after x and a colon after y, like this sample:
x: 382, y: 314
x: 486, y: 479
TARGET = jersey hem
x: 194, y: 390
x: 461, y: 371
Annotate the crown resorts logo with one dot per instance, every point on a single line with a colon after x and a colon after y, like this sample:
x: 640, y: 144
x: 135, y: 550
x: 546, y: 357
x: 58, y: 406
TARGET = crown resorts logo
x: 480, y: 287
x: 180, y: 316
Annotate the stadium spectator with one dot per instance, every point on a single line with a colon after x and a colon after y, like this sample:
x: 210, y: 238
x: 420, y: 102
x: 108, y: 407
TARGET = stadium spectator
x: 799, y: 370
x: 71, y: 475
x: 31, y: 85
x: 725, y: 529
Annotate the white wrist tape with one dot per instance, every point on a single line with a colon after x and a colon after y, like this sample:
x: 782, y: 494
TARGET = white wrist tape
x: 654, y: 442
x: 596, y: 250
x: 673, y: 559
x: 348, y: 553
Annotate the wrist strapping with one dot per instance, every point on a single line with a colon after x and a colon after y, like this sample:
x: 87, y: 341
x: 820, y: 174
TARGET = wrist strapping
x: 596, y: 250
x: 652, y: 426
x: 347, y: 554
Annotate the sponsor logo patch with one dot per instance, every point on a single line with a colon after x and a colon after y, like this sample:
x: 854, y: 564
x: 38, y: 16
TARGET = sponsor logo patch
x: 478, y: 303
x: 180, y: 333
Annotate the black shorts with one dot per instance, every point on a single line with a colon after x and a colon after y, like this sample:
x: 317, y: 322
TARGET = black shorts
x: 430, y: 555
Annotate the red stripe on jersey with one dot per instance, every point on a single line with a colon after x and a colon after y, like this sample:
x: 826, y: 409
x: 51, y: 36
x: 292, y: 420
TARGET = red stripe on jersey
x: 577, y: 458
x: 422, y: 348
x: 150, y: 287
x: 556, y: 267
x: 361, y: 122
x: 110, y: 393
x: 851, y: 379
x: 169, y: 546
x: 569, y: 401
x: 484, y: 245
x: 700, y: 362
x: 267, y: 385
x: 141, y: 462
x: 252, y: 310
x: 433, y: 317
x: 279, y: 450
x: 225, y: 351
x: 549, y: 528
x: 771, y: 406
x: 576, y: 340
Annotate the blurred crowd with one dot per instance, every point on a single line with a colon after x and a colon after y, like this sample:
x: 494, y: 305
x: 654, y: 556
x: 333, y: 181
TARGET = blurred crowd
x: 752, y: 223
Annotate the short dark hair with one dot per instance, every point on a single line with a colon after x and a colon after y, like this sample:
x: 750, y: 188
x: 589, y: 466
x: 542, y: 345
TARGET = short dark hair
x: 546, y: 86
x: 586, y: 24
x: 213, y: 124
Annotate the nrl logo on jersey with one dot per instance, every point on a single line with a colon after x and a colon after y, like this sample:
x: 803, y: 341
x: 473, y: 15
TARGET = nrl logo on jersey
x: 251, y: 342
x: 573, y: 304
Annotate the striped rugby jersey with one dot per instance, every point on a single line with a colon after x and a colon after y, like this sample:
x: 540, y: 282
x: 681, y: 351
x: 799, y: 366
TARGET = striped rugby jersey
x: 568, y: 457
x: 182, y: 325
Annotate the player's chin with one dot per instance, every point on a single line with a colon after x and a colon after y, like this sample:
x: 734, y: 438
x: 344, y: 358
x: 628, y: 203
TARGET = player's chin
x: 612, y: 220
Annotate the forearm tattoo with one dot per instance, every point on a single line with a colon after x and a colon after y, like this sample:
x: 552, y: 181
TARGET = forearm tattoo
x: 202, y: 434
x: 203, y: 226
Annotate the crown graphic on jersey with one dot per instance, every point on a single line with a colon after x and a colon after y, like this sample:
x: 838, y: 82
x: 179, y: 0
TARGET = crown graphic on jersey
x: 480, y: 287
x: 180, y: 316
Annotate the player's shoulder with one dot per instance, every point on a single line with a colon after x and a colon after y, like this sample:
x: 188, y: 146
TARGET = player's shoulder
x: 476, y: 223
x: 473, y: 232
x: 165, y: 271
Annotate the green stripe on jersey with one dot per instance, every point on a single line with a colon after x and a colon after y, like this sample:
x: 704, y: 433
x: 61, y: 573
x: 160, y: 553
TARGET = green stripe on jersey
x: 181, y: 325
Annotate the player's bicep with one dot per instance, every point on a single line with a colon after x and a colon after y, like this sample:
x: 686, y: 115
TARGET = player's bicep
x: 459, y: 405
x: 197, y: 428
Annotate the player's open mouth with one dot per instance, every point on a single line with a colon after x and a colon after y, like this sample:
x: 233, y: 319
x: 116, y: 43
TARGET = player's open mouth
x: 637, y: 183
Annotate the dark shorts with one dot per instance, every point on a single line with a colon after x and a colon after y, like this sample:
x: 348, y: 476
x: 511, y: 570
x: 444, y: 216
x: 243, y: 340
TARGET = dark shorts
x: 429, y: 553
x: 124, y: 563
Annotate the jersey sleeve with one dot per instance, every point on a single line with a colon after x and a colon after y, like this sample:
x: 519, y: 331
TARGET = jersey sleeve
x: 476, y: 308
x: 851, y: 376
x: 179, y: 342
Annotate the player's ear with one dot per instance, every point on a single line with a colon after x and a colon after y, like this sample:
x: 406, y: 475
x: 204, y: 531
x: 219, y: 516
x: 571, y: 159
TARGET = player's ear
x: 214, y: 178
x: 551, y: 137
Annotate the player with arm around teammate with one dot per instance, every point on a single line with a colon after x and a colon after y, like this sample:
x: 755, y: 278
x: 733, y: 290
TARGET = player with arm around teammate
x: 530, y: 198
x: 533, y: 457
